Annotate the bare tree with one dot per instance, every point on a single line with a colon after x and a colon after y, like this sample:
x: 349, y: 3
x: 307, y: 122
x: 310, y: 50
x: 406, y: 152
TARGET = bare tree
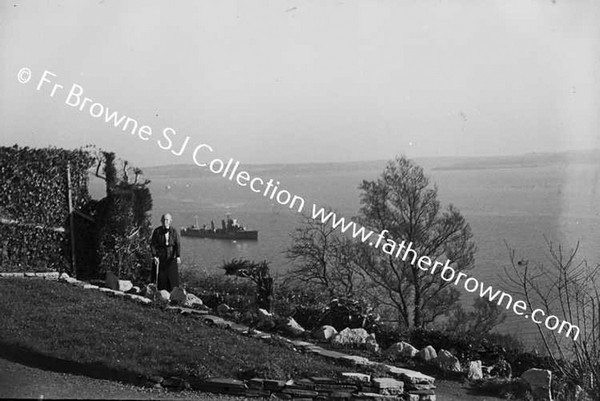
x: 403, y: 202
x: 567, y: 287
x: 324, y: 257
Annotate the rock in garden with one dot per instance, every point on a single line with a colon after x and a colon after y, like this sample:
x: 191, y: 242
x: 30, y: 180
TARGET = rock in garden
x: 175, y: 383
x: 475, y: 370
x: 324, y: 333
x: 371, y: 344
x: 156, y: 379
x: 164, y: 295
x: 64, y: 276
x: 448, y: 362
x: 402, y: 350
x: 191, y: 300
x: 125, y: 285
x: 540, y: 381
x: 178, y: 296
x: 135, y: 290
x: 350, y: 338
x: 428, y: 354
x: 292, y: 327
x: 149, y: 291
x: 111, y: 281
x: 266, y: 320
x: 223, y: 309
x: 387, y: 386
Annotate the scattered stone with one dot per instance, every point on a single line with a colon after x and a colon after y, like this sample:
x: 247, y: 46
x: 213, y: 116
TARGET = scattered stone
x: 125, y: 285
x: 420, y: 387
x: 164, y: 295
x: 178, y: 296
x: 371, y: 344
x: 388, y: 386
x: 292, y: 327
x: 370, y: 396
x: 409, y: 377
x: 255, y: 383
x: 448, y: 362
x: 216, y: 321
x: 282, y: 396
x: 422, y: 392
x: 191, y: 300
x: 140, y: 299
x: 29, y: 274
x: 135, y: 290
x: 324, y: 333
x: 221, y: 385
x: 350, y: 338
x: 299, y: 393
x: 48, y: 275
x: 150, y: 291
x: 428, y: 354
x: 273, y: 385
x: 176, y: 383
x: 475, y: 370
x: 540, y: 382
x: 403, y: 350
x: 69, y: 280
x: 266, y: 320
x: 323, y: 380
x: 223, y: 309
x: 353, y: 360
x: 90, y: 287
x: 356, y: 377
x: 111, y: 281
x: 156, y: 379
x: 64, y: 276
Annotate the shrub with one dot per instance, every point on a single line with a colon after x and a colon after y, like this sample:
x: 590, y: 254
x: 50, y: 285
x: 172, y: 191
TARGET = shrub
x: 353, y: 313
x: 215, y: 289
x: 388, y: 334
x: 302, y: 302
x: 34, y: 209
x: 506, y: 388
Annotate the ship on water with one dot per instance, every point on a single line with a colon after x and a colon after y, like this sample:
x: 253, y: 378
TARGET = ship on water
x: 230, y: 230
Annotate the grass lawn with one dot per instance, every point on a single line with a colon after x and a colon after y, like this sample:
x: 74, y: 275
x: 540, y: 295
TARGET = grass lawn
x: 59, y: 327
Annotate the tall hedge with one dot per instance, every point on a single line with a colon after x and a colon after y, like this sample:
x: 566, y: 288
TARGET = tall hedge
x: 33, y: 205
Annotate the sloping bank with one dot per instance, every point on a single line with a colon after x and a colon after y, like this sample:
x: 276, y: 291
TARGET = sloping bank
x: 61, y: 327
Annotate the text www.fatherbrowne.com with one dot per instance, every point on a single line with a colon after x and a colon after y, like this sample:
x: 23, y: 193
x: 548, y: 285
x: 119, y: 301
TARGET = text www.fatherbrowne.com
x: 170, y: 142
x: 405, y: 251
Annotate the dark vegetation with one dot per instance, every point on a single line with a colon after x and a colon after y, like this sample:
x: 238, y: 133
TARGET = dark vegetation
x: 110, y: 233
x: 33, y: 205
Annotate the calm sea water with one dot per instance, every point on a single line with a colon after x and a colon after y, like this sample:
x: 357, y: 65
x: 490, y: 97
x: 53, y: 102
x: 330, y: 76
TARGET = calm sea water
x: 515, y: 204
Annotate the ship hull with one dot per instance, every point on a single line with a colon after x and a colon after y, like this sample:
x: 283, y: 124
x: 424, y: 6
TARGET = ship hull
x: 229, y: 235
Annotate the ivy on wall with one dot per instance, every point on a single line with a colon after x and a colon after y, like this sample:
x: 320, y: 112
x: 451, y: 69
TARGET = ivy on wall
x: 33, y: 204
x: 34, y: 214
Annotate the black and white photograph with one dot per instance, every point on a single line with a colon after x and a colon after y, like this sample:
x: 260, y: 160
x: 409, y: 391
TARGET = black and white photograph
x: 300, y: 199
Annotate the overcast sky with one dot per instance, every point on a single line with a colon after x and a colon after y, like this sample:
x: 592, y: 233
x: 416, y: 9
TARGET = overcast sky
x: 306, y: 81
